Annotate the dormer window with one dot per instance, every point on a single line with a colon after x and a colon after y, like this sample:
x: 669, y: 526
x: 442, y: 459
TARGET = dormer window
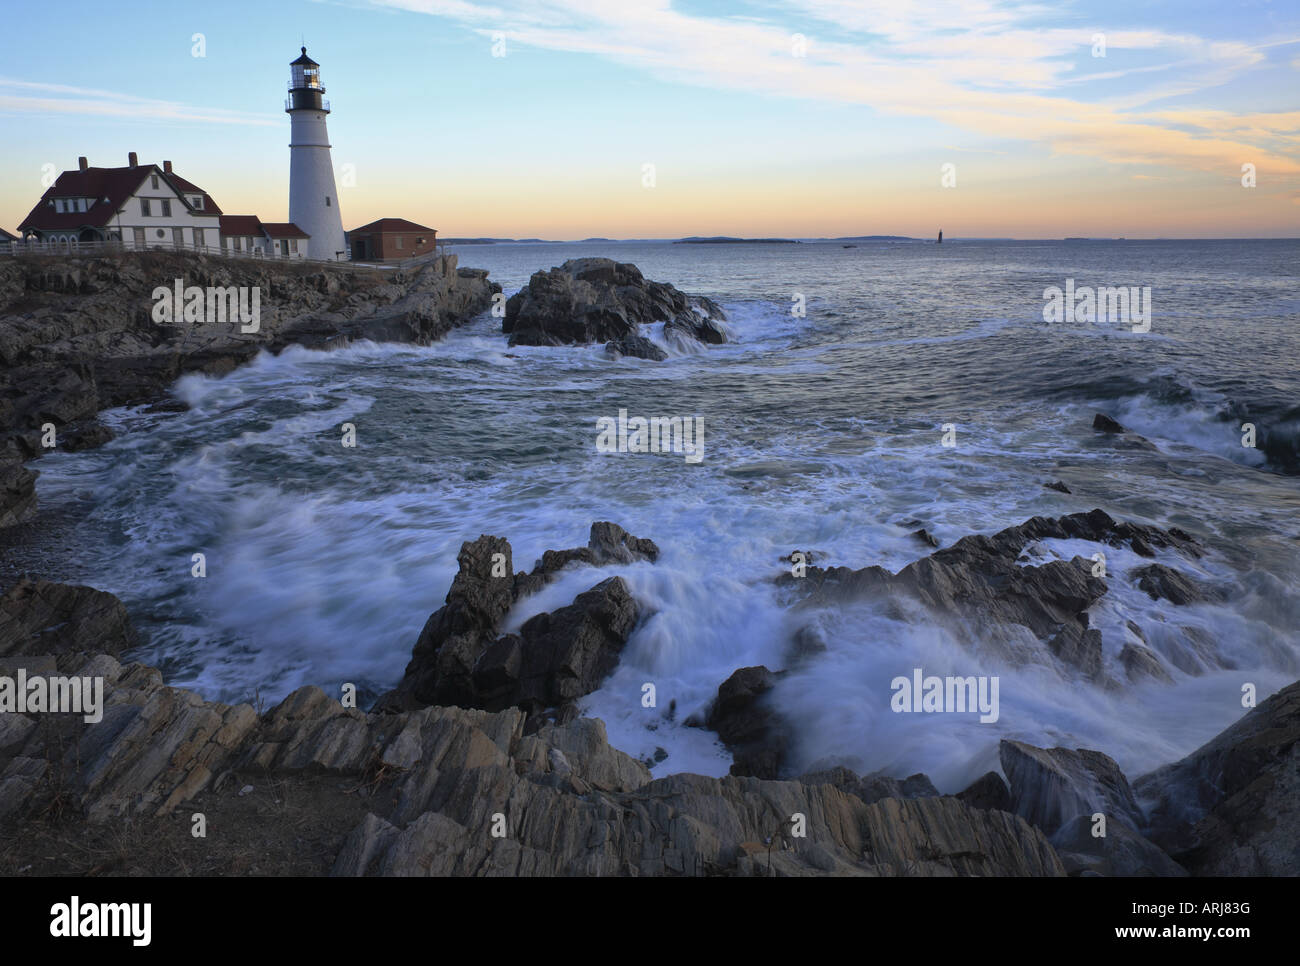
x: 197, y: 202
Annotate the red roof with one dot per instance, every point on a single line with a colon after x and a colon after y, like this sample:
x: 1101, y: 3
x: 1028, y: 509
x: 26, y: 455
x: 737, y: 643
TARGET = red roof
x: 241, y: 225
x: 386, y: 225
x: 210, y: 207
x: 116, y: 185
x: 283, y: 229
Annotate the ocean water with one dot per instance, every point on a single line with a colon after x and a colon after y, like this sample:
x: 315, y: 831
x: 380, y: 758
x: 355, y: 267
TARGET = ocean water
x: 822, y: 432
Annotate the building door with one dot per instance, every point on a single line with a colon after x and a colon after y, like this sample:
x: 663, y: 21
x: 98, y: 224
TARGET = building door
x: 138, y: 234
x: 198, y: 239
x: 178, y: 237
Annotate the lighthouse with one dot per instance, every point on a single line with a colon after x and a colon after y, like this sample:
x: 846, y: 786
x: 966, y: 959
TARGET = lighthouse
x: 313, y: 201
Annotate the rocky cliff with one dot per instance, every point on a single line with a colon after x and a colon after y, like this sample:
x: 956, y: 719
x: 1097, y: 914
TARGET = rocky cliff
x: 78, y: 335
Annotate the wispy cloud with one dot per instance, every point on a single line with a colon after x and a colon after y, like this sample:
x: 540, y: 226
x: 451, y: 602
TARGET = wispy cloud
x: 989, y: 67
x: 31, y: 97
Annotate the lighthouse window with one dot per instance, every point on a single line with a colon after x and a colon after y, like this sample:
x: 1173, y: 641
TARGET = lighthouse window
x: 327, y: 201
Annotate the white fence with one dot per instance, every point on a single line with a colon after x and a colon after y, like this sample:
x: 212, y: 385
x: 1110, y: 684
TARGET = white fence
x: 91, y: 248
x: 74, y: 247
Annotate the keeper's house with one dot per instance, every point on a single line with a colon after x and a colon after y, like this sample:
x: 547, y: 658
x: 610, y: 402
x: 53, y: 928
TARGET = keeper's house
x: 391, y: 239
x: 144, y: 206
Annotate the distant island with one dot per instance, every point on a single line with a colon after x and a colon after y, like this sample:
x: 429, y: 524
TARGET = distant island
x: 727, y: 240
x: 499, y: 241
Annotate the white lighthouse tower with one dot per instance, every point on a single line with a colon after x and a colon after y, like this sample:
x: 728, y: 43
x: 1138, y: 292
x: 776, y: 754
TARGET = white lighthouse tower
x: 313, y: 201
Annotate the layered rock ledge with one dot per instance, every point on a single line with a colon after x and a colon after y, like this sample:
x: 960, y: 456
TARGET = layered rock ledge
x: 311, y: 787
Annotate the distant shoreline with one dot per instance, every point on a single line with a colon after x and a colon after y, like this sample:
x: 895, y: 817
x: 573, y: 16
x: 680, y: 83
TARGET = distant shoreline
x: 725, y: 240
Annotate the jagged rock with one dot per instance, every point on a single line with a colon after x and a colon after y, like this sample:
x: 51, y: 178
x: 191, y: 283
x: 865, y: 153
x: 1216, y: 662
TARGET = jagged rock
x: 982, y: 577
x: 1161, y: 581
x: 1120, y: 852
x: 1078, y: 645
x: 17, y: 493
x: 1105, y: 424
x: 753, y: 732
x: 64, y: 621
x: 561, y: 655
x: 637, y: 346
x: 589, y: 300
x: 1057, y: 485
x: 1232, y: 807
x: 1049, y: 787
x: 453, y: 639
x: 924, y: 536
x: 610, y: 543
x: 987, y: 791
x: 556, y: 657
x: 1142, y: 662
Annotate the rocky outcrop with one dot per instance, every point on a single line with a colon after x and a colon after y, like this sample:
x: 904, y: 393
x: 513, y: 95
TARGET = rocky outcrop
x: 1160, y: 581
x: 1049, y: 787
x: 1232, y: 807
x: 461, y: 659
x: 1105, y: 424
x: 988, y: 578
x: 1062, y: 792
x: 753, y: 732
x: 637, y: 346
x: 1120, y: 852
x: 17, y: 493
x: 77, y: 335
x: 987, y: 791
x: 65, y: 622
x: 589, y: 300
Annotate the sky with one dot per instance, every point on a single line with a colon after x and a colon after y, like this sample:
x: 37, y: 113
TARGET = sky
x: 565, y: 119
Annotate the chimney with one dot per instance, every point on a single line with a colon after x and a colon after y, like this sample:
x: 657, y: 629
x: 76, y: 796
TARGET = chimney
x: 131, y: 159
x: 167, y: 166
x: 81, y: 163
